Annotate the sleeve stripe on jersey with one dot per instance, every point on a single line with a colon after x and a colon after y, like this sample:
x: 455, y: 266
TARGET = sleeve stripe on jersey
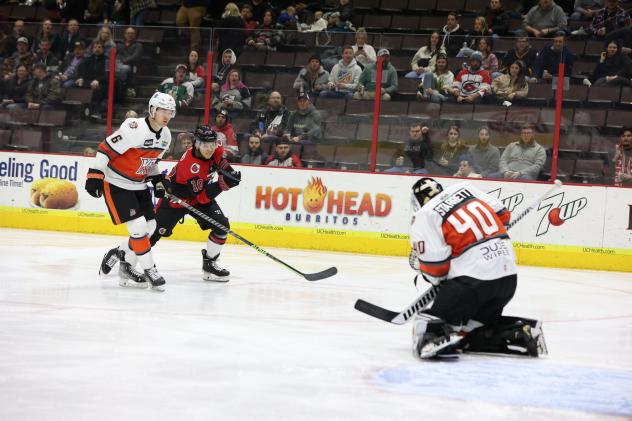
x: 106, y: 149
x: 435, y: 269
x: 107, y: 144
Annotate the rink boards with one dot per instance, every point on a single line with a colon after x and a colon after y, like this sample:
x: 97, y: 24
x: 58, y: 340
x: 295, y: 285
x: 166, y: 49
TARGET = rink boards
x: 586, y: 227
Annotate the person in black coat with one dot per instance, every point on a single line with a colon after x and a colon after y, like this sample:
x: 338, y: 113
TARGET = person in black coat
x: 614, y: 68
x: 14, y: 90
x: 67, y: 39
x: 92, y: 73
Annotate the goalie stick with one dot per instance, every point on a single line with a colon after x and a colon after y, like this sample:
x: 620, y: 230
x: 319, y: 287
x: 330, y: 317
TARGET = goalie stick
x: 424, y: 300
x: 309, y: 276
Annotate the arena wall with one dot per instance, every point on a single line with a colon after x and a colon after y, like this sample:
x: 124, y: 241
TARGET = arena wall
x: 577, y: 226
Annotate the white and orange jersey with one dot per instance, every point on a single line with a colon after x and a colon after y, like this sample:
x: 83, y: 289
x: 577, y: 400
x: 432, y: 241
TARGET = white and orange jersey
x: 131, y: 153
x: 461, y: 232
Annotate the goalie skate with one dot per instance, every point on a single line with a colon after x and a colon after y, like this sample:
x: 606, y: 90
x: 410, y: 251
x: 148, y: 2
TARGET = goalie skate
x: 111, y: 258
x: 129, y: 277
x: 211, y: 271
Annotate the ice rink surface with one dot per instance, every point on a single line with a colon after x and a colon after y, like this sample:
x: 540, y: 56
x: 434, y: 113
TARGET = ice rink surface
x: 271, y: 346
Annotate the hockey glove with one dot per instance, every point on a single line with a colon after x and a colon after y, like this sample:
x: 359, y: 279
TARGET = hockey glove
x: 228, y: 179
x: 161, y: 185
x: 94, y: 182
x: 430, y: 279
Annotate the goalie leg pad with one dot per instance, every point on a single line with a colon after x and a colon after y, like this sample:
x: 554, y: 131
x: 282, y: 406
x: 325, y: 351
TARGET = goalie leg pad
x: 433, y: 338
x: 511, y: 335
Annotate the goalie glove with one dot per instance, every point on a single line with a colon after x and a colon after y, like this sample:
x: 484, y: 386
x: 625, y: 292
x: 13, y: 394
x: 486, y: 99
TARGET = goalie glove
x: 161, y: 185
x: 430, y: 279
x: 413, y: 261
x: 228, y: 179
x: 94, y: 182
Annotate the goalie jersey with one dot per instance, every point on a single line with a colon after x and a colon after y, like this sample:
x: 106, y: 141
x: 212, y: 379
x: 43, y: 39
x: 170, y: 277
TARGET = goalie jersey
x: 131, y: 153
x: 461, y: 232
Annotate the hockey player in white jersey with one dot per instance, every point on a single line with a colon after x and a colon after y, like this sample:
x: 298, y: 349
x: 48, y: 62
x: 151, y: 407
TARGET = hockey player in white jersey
x: 460, y: 243
x: 126, y: 160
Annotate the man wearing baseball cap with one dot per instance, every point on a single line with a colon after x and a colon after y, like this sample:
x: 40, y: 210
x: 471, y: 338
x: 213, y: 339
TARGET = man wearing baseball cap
x: 23, y: 56
x: 226, y: 134
x: 304, y: 123
x: 367, y: 85
x: 70, y: 65
x: 473, y: 82
x: 178, y: 87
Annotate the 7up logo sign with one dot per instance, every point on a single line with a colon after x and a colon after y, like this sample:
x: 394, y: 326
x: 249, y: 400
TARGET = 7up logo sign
x: 556, y: 212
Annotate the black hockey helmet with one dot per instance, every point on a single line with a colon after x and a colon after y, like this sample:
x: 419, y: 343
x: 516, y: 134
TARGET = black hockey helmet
x: 424, y: 189
x: 204, y: 133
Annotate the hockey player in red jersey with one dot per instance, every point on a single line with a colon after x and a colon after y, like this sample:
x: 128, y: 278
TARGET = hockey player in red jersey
x: 460, y: 244
x: 126, y: 160
x: 192, y: 181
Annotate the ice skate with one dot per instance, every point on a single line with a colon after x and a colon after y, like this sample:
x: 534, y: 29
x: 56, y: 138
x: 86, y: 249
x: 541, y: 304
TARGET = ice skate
x: 525, y: 339
x: 156, y: 281
x: 110, y: 260
x: 432, y: 339
x: 130, y: 277
x: 211, y: 271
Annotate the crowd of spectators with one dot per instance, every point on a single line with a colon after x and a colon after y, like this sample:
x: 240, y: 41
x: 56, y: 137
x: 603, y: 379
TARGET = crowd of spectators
x: 455, y: 65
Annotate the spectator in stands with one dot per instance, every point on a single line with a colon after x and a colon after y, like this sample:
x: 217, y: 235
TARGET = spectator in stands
x: 265, y: 37
x: 104, y: 36
x: 246, y: 16
x: 490, y: 61
x: 437, y: 86
x: 44, y: 55
x: 45, y: 33
x: 282, y: 156
x: 523, y: 52
x: 363, y: 52
x: 399, y: 165
x: 70, y: 66
x: 466, y: 170
x: 177, y: 86
x: 259, y: 9
x: 14, y: 90
x: 473, y: 82
x: 234, y: 95
x: 220, y: 74
x: 344, y: 77
x: 183, y: 142
x: 22, y: 56
x: 623, y: 159
x: 231, y: 35
x: 484, y: 156
x: 138, y: 11
x: 425, y: 58
x: 453, y: 35
x: 312, y: 78
x: 273, y: 118
x: 367, y: 81
x: 92, y: 74
x: 543, y: 20
x: 546, y: 65
x: 418, y: 148
x: 255, y: 154
x: 614, y: 68
x: 287, y: 19
x: 12, y: 40
x: 345, y: 9
x: 451, y: 152
x: 304, y: 123
x: 609, y: 19
x: 472, y: 38
x: 89, y: 151
x: 44, y: 92
x: 522, y: 160
x: 226, y: 134
x: 497, y: 18
x: 586, y: 9
x: 190, y: 16
x: 512, y: 86
x: 67, y: 39
x: 195, y: 71
x: 129, y: 54
x: 7, y: 69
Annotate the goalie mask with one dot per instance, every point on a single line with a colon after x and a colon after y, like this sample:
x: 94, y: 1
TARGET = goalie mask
x: 423, y: 190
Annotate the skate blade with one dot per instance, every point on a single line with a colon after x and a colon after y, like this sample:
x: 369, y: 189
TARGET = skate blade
x: 131, y: 284
x: 212, y: 278
x: 432, y: 352
x: 157, y: 288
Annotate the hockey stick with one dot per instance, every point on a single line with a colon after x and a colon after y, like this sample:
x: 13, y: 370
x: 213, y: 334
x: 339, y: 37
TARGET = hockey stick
x: 429, y: 295
x: 309, y: 276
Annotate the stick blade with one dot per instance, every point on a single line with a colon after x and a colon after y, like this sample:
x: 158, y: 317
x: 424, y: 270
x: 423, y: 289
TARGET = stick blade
x: 327, y: 273
x: 377, y: 312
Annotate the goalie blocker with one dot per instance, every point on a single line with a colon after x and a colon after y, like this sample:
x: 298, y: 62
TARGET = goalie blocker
x: 461, y: 244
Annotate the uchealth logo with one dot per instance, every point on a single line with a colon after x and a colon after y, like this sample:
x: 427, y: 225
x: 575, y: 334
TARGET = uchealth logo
x: 322, y: 205
x: 557, y: 212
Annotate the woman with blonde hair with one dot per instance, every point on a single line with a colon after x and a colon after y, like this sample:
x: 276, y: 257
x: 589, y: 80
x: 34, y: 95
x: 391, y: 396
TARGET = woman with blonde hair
x: 471, y: 39
x: 451, y: 151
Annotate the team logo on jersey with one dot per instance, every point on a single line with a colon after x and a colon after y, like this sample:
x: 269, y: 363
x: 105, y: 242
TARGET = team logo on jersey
x: 556, y: 212
x: 195, y: 168
x: 133, y: 125
x: 149, y: 142
x: 145, y: 165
